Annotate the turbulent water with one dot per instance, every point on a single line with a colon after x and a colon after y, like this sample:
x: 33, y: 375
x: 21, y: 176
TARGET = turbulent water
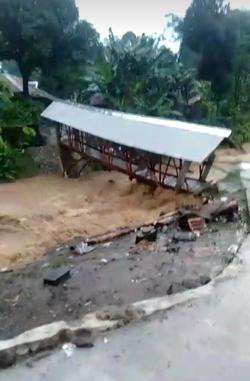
x: 41, y: 212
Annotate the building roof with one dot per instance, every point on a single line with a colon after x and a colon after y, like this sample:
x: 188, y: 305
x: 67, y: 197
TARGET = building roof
x: 16, y: 85
x: 182, y: 140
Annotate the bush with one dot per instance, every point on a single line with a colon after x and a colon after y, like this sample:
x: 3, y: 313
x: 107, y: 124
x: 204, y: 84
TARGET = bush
x: 9, y: 159
x: 18, y: 120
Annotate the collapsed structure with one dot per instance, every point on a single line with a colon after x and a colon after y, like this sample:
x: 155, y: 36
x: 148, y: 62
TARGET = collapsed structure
x: 152, y: 150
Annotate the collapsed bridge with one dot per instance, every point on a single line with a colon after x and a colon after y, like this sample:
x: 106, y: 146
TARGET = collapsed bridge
x: 156, y: 151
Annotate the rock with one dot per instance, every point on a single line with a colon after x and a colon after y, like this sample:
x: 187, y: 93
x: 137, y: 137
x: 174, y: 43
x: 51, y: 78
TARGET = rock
x: 54, y: 278
x: 165, y: 229
x: 6, y: 270
x: 7, y: 358
x: 22, y: 351
x: 147, y: 233
x: 82, y: 248
x: 82, y: 339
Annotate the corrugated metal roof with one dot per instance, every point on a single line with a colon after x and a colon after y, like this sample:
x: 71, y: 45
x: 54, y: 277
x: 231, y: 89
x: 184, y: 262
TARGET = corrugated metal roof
x: 177, y: 139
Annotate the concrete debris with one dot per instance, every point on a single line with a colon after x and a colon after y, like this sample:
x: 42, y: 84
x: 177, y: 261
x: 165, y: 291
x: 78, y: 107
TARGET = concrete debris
x: 165, y: 229
x: 233, y: 249
x: 104, y: 261
x: 107, y: 244
x: 68, y: 349
x: 146, y: 234
x: 5, y: 270
x: 197, y: 224
x: 184, y: 236
x: 219, y: 208
x: 82, y: 248
x: 54, y: 278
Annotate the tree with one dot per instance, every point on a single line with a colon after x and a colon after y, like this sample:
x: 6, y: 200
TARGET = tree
x: 67, y: 79
x: 206, y: 32
x: 36, y: 33
x: 240, y: 21
x: 137, y: 74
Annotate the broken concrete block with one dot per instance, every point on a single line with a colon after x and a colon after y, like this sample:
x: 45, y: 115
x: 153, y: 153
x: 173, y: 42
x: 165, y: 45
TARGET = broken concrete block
x: 82, y: 248
x: 197, y: 224
x: 54, y: 278
x: 185, y: 236
x: 146, y: 234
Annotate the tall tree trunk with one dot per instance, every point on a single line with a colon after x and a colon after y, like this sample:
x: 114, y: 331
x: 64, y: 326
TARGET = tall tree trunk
x: 25, y: 76
x: 25, y: 85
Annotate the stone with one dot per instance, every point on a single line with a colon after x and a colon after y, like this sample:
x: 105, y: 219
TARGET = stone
x: 22, y: 351
x: 146, y: 234
x: 7, y: 358
x: 82, y: 339
x: 54, y: 278
x: 164, y: 229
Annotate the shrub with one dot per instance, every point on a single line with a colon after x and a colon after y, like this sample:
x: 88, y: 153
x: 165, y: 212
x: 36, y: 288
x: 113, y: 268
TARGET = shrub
x: 9, y: 159
x: 17, y: 121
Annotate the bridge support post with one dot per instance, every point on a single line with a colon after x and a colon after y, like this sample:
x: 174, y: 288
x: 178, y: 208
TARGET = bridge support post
x: 182, y: 174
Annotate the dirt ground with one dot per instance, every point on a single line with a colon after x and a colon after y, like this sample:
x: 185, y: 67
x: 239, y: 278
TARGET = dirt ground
x: 115, y: 273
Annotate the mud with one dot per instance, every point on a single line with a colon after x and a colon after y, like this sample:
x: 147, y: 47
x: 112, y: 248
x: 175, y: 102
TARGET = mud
x: 41, y: 212
x: 115, y: 273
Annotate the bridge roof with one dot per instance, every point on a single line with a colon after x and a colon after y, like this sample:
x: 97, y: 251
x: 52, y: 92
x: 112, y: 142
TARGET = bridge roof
x: 182, y: 140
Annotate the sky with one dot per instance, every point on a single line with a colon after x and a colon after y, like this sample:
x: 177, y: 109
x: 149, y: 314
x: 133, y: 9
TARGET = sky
x: 139, y: 16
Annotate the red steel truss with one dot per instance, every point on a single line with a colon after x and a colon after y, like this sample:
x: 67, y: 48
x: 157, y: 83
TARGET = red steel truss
x: 144, y: 166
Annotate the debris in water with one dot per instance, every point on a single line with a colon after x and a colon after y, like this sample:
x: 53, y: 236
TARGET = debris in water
x: 54, y: 278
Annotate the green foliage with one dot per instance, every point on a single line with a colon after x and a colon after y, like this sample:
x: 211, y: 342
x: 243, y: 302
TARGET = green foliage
x: 67, y: 79
x: 5, y: 92
x: 138, y: 74
x: 9, y: 159
x: 39, y: 34
x: 18, y: 120
x: 207, y: 33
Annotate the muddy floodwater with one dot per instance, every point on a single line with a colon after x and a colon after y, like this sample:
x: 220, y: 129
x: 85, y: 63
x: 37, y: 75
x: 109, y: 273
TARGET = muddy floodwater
x: 38, y: 213
x: 38, y: 216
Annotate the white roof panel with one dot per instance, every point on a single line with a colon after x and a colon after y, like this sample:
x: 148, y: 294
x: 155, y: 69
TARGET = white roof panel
x: 173, y: 138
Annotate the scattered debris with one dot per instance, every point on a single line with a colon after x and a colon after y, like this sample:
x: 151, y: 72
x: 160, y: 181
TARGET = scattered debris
x: 107, y: 244
x: 104, y: 261
x: 184, y: 236
x: 165, y: 229
x: 148, y: 233
x: 54, y: 278
x: 82, y: 248
x: 233, y: 249
x: 69, y: 349
x: 105, y: 340
x: 197, y: 224
x: 82, y: 338
x: 217, y: 208
x: 6, y: 270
